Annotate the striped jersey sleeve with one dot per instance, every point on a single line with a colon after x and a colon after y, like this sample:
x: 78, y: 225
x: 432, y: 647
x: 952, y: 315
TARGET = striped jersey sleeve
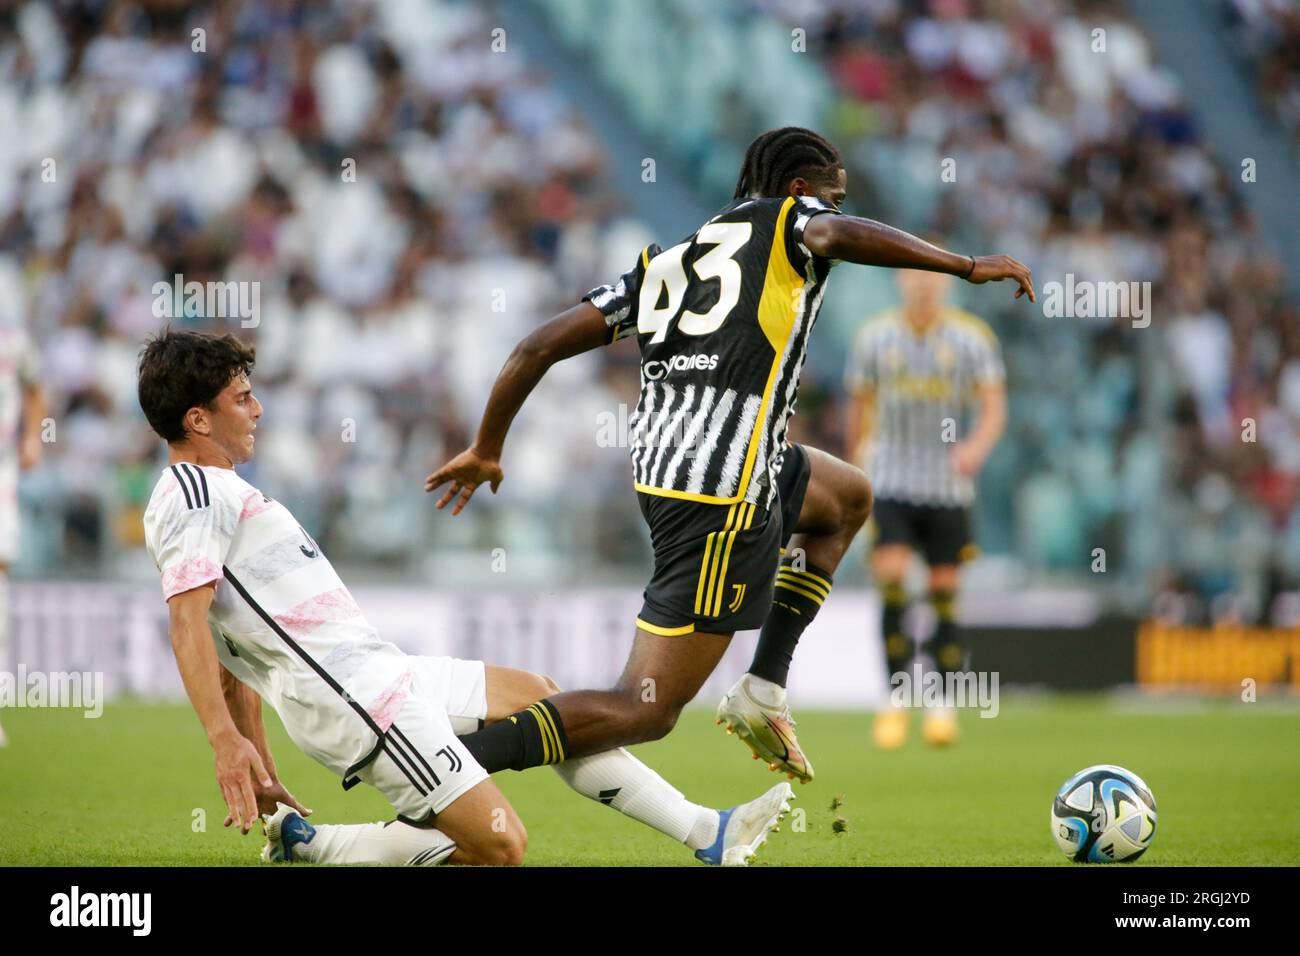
x: 805, y: 208
x: 618, y: 302
x: 189, y: 527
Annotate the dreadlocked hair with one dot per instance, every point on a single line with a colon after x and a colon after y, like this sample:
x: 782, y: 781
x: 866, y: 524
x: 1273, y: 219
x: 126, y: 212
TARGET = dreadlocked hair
x: 780, y: 155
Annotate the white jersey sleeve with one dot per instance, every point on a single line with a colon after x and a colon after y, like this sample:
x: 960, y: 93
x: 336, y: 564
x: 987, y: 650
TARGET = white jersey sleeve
x: 189, y: 528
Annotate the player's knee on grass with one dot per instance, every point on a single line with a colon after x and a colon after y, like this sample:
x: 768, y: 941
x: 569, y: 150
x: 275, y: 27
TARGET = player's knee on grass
x: 501, y: 850
x: 504, y: 842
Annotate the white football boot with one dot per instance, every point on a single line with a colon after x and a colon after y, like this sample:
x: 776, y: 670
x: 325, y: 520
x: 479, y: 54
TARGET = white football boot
x: 768, y: 731
x: 744, y: 828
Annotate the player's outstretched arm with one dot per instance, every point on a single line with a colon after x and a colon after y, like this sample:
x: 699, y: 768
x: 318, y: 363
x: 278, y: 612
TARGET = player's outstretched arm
x: 570, y: 333
x: 238, y: 763
x: 246, y: 711
x: 872, y: 243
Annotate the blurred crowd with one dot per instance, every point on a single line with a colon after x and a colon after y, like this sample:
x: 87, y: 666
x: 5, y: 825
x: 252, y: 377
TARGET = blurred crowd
x: 1174, y: 447
x: 407, y: 194
x: 1267, y: 35
x: 412, y: 195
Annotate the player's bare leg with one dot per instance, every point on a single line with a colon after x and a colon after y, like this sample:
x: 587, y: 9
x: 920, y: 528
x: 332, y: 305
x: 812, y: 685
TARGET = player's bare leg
x: 662, y: 675
x: 619, y: 780
x: 939, y: 728
x: 835, y: 506
x: 889, y: 566
x: 485, y: 828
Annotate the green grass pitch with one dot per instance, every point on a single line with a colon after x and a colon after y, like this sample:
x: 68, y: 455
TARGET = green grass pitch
x: 128, y: 789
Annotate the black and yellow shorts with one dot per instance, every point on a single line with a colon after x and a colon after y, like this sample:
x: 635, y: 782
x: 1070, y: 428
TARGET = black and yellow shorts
x: 715, y: 565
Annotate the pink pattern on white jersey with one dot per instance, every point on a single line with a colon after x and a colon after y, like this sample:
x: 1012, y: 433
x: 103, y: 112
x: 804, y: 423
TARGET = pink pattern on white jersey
x: 384, y: 710
x: 188, y: 575
x: 254, y: 503
x: 324, y: 608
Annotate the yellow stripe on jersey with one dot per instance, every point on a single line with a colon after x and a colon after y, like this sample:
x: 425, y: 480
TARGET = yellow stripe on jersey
x: 777, y: 306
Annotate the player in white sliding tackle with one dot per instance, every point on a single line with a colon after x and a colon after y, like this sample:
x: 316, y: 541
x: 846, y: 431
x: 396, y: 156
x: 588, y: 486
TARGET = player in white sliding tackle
x: 258, y: 613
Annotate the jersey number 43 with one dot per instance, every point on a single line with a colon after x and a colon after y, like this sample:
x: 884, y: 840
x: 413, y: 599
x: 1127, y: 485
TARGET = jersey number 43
x: 666, y: 272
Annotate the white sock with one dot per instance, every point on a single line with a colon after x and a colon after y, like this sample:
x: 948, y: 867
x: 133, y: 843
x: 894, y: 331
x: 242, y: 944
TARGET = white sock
x: 764, y: 691
x: 381, y: 844
x: 617, y: 779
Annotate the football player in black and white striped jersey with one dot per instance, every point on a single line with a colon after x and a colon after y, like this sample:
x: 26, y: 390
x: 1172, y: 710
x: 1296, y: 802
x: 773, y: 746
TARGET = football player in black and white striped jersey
x: 913, y: 372
x: 722, y: 320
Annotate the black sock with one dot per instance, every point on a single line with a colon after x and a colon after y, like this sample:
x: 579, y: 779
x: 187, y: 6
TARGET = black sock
x: 945, y: 646
x: 799, y: 594
x: 898, y: 646
x: 533, y: 737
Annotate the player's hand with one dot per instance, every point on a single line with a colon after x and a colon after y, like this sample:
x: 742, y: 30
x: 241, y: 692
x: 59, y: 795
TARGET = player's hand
x: 997, y: 268
x: 466, y: 472
x: 268, y: 797
x: 967, y: 460
x: 238, y: 766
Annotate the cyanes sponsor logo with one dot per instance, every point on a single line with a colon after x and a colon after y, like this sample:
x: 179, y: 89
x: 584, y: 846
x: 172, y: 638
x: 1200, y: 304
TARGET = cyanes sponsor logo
x: 658, y: 369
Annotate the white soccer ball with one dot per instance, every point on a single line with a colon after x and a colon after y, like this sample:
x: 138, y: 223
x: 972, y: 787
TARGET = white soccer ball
x: 1104, y: 814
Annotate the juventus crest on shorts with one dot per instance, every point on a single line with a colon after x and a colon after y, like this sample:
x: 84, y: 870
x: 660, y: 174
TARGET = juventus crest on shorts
x: 722, y: 320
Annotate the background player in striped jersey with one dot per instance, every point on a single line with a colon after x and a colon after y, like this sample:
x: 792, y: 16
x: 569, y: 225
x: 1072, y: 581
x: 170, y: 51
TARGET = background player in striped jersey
x: 258, y: 612
x: 722, y: 320
x: 913, y: 373
x: 22, y: 408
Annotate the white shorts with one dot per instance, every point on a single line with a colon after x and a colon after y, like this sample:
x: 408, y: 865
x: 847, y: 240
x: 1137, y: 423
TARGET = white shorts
x: 422, y: 767
x: 459, y: 686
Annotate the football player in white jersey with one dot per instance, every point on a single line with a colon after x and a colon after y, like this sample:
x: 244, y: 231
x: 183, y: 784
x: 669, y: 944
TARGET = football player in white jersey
x: 22, y: 409
x: 258, y: 613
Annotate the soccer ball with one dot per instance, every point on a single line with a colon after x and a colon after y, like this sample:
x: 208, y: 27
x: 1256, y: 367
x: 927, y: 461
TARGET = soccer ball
x: 1104, y: 814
